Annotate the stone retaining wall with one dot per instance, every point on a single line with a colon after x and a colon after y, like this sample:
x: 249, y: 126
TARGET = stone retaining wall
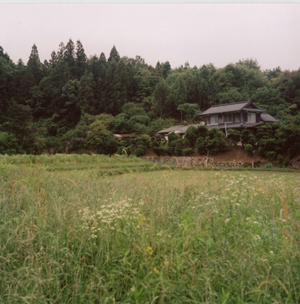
x: 202, y: 162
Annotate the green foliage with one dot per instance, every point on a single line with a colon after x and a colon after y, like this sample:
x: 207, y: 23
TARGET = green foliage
x: 173, y: 137
x: 263, y: 132
x: 122, y: 125
x: 97, y: 132
x: 202, y: 131
x: 160, y: 98
x: 271, y: 155
x: 245, y: 136
x: 141, y: 119
x: 201, y: 145
x: 139, y: 152
x: 145, y: 140
x: 190, y: 109
x: 286, y: 162
x: 215, y: 141
x: 9, y: 144
x: 176, y: 146
x: 109, y: 145
x: 234, y: 136
x: 159, y: 124
x: 190, y: 136
x: 249, y: 149
x: 280, y: 160
x: 187, y: 151
x: 162, y: 150
x: 269, y: 166
x: 132, y: 109
x: 178, y: 149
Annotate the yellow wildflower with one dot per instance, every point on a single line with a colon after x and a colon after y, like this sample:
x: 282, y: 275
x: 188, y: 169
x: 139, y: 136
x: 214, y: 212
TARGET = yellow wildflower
x: 149, y: 250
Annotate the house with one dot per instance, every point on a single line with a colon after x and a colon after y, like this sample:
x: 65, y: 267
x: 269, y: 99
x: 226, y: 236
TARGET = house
x: 238, y: 115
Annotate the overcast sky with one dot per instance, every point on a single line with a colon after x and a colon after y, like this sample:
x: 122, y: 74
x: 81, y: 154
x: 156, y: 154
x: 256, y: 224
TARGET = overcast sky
x: 197, y: 33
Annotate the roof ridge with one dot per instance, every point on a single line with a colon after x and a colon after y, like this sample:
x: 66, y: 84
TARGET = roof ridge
x: 226, y: 104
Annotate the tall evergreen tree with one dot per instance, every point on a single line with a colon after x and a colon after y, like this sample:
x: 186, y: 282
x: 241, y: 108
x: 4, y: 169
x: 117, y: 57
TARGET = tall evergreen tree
x: 69, y: 57
x: 165, y: 69
x: 61, y: 52
x: 34, y: 65
x: 119, y: 94
x: 86, y: 94
x: 80, y: 59
x: 114, y: 54
x: 160, y: 97
x: 53, y: 60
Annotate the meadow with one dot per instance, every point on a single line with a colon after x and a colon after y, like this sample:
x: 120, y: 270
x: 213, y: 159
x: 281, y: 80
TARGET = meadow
x: 95, y: 229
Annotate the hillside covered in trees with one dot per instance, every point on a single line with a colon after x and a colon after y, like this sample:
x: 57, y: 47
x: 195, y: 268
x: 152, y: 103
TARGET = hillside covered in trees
x: 72, y: 103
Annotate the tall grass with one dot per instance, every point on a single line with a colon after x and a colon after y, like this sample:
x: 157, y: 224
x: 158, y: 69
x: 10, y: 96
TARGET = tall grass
x: 67, y: 159
x: 157, y: 237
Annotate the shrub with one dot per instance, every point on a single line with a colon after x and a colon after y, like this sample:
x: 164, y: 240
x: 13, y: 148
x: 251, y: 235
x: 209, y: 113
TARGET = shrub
x: 178, y: 149
x: 245, y: 136
x: 215, y: 141
x: 200, y: 143
x: 271, y: 155
x: 109, y: 145
x: 160, y: 151
x: 263, y: 132
x: 191, y: 136
x: 140, y: 146
x: 280, y: 159
x: 9, y: 144
x: 252, y: 139
x: 172, y: 137
x: 187, y: 151
x: 145, y: 140
x: 174, y: 144
x: 121, y: 150
x: 269, y: 166
x: 139, y: 152
x: 249, y: 149
x: 202, y: 131
x: 234, y: 136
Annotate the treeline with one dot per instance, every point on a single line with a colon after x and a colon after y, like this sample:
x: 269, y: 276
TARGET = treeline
x: 59, y: 104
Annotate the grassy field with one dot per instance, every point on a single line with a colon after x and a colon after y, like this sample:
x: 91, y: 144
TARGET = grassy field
x: 76, y: 233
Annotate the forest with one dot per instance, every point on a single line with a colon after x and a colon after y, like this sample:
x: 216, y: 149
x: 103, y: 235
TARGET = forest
x: 73, y: 103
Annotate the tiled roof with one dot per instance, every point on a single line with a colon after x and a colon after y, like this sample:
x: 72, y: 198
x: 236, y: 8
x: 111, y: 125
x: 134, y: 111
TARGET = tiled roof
x: 268, y: 118
x: 230, y: 107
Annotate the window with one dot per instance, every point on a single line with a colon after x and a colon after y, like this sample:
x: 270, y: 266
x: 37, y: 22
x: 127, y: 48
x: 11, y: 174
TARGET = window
x: 251, y: 117
x: 228, y: 118
x: 214, y: 119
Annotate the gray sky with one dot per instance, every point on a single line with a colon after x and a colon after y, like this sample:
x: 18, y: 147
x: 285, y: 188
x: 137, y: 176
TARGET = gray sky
x: 197, y: 33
